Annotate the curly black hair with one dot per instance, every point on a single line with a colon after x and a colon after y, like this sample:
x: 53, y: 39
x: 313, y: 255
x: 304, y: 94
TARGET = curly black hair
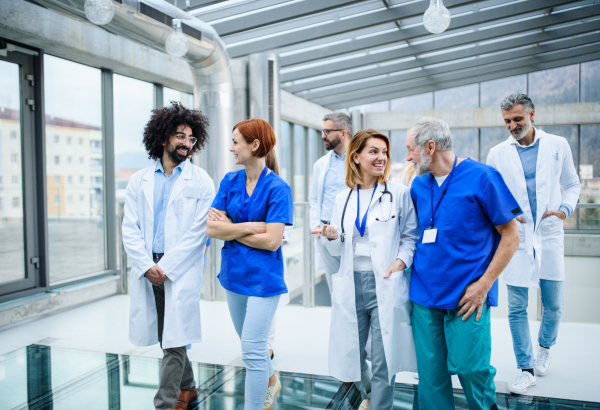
x: 164, y: 123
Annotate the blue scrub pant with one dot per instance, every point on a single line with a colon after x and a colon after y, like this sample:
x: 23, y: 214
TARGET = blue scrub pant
x: 445, y: 346
x: 367, y: 312
x: 552, y: 301
x: 252, y: 318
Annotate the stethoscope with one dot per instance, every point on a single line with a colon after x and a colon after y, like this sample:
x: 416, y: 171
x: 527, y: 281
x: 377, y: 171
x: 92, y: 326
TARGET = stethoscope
x: 384, y: 192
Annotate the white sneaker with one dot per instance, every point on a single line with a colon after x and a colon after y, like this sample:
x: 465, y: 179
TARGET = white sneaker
x: 365, y: 405
x: 272, y: 391
x: 416, y: 376
x: 542, y: 361
x: 523, y: 381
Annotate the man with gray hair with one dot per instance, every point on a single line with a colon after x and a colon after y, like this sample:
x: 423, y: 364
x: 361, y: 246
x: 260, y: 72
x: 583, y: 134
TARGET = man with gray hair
x: 535, y: 166
x: 468, y: 235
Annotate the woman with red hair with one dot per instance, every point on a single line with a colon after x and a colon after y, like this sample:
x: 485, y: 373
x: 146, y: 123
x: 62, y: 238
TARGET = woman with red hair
x: 249, y: 213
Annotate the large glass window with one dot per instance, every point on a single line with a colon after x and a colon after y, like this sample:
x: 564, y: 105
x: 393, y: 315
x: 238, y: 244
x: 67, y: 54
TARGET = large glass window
x: 493, y: 92
x: 284, y: 161
x: 465, y: 142
x: 169, y: 94
x: 133, y: 100
x: 75, y: 228
x: 590, y: 81
x: 555, y: 86
x: 490, y: 137
x: 299, y: 172
x: 373, y: 107
x: 12, y: 236
x: 589, y: 174
x: 413, y: 102
x: 398, y: 153
x: 459, y: 97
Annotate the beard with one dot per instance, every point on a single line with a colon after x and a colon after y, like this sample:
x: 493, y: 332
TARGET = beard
x: 422, y: 167
x: 523, y: 132
x: 329, y: 145
x: 176, y: 156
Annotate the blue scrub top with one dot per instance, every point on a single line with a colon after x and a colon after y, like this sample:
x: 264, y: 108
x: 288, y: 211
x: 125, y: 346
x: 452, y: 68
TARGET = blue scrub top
x: 244, y: 270
x: 476, y: 201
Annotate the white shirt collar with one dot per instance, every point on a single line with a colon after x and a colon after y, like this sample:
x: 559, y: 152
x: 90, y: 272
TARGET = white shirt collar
x: 536, y: 137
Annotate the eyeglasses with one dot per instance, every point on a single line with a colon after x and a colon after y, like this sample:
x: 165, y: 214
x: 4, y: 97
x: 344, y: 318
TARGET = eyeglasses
x: 326, y: 131
x: 183, y: 138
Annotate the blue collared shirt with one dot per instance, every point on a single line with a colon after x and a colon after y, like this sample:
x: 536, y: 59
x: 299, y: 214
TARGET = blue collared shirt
x: 163, y: 185
x: 333, y: 184
x: 529, y: 157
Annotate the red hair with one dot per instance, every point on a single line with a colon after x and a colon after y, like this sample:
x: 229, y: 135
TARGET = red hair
x: 257, y: 129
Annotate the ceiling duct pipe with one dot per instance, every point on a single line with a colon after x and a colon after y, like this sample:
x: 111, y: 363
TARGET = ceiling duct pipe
x: 149, y: 22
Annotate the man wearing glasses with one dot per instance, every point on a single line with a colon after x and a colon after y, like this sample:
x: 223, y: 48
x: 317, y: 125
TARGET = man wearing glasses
x: 164, y: 233
x: 328, y: 181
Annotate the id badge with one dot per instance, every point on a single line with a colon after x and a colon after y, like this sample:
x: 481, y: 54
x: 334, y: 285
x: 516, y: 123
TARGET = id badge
x: 362, y: 249
x: 429, y: 235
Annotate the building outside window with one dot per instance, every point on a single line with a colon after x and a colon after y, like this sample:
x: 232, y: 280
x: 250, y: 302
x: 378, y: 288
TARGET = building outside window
x: 73, y: 101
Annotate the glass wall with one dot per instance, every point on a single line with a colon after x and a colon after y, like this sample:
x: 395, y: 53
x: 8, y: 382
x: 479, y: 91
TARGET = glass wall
x: 460, y: 97
x: 12, y: 245
x: 74, y: 169
x: 555, y: 86
x: 414, y: 102
x: 133, y: 104
x: 169, y: 94
x: 589, y: 173
x: 492, y: 92
x: 590, y: 82
x: 298, y: 160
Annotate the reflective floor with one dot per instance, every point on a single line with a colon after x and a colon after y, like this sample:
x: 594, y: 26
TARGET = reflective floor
x: 43, y: 377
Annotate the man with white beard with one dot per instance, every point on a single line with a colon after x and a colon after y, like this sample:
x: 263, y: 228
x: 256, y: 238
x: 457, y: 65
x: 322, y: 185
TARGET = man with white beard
x: 468, y: 236
x: 535, y: 166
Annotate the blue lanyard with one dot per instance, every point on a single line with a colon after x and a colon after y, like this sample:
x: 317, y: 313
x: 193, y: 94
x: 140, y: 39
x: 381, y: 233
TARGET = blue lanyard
x: 361, y: 227
x: 433, y: 211
x: 246, y: 207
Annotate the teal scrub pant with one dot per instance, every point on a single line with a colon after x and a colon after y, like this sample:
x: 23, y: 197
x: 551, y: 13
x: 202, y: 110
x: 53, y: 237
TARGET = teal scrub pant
x: 445, y: 346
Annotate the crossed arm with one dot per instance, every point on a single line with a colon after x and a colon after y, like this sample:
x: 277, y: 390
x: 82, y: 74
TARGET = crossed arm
x: 258, y: 235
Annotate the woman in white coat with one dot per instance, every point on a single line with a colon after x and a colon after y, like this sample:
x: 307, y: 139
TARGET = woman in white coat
x: 374, y: 229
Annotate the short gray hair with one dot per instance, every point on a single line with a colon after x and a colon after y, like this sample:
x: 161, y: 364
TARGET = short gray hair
x: 515, y: 99
x: 341, y: 121
x: 432, y: 129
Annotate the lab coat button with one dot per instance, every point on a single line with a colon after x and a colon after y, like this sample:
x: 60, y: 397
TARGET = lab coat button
x: 374, y: 245
x: 386, y: 332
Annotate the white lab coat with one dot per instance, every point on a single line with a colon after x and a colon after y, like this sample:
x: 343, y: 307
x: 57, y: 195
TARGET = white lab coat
x: 389, y: 240
x: 554, y: 170
x: 316, y: 197
x: 183, y: 261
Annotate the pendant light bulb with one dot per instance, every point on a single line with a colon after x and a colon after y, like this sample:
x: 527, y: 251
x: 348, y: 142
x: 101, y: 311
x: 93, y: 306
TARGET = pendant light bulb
x: 177, y: 44
x: 437, y: 17
x: 99, y: 12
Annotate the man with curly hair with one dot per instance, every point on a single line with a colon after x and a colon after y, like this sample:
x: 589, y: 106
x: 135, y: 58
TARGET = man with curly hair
x: 164, y: 233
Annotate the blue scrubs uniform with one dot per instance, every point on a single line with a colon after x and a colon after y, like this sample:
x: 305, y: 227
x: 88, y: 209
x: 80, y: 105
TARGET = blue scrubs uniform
x: 244, y: 270
x: 476, y: 200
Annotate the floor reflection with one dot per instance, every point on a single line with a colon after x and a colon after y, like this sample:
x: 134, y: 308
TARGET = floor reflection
x: 49, y: 378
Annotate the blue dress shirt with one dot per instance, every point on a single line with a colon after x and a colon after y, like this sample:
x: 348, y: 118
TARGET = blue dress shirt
x: 334, y: 183
x: 163, y: 185
x: 528, y: 157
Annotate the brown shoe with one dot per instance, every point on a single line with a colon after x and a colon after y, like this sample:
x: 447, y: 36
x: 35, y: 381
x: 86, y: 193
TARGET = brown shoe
x: 185, y: 397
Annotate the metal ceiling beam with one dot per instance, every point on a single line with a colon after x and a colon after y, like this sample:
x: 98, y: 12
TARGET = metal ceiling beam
x: 312, y: 20
x: 196, y: 4
x: 235, y: 9
x: 466, y: 39
x: 379, y: 17
x: 506, y: 69
x: 512, y: 10
x: 284, y: 13
x: 456, y: 60
x: 411, y: 33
